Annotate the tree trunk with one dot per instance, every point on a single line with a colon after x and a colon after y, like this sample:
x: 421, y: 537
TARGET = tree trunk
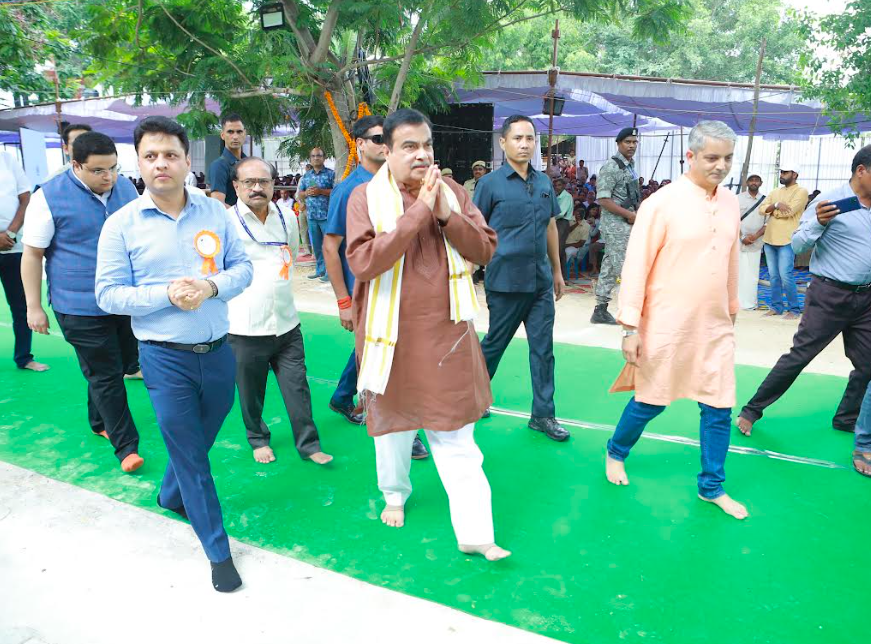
x: 406, y: 62
x: 746, y: 167
x: 346, y: 106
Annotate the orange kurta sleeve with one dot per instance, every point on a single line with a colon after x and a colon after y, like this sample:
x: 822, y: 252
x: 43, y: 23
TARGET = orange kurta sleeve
x: 369, y: 255
x: 645, y: 242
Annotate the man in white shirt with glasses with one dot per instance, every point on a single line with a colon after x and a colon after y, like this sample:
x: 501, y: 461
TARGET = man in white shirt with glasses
x: 264, y: 324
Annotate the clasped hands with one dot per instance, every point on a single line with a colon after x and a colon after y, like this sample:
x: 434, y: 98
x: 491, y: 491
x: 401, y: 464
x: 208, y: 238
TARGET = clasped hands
x: 188, y: 293
x: 431, y: 194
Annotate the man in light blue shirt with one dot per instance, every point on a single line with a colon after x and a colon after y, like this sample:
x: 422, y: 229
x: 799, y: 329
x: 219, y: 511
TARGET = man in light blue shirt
x: 838, y: 302
x: 171, y: 260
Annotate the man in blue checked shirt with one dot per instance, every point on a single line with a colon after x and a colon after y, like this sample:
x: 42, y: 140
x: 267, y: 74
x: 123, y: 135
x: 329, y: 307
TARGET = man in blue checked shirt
x: 314, y: 190
x: 171, y: 260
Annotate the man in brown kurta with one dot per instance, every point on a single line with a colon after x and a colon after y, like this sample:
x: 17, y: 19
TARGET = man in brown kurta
x: 438, y: 379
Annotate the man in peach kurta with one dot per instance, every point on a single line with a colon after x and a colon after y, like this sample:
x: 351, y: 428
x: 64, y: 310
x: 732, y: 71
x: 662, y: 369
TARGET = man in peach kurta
x: 678, y: 301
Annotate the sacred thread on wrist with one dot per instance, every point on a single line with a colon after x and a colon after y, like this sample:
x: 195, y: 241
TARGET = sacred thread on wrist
x: 344, y: 303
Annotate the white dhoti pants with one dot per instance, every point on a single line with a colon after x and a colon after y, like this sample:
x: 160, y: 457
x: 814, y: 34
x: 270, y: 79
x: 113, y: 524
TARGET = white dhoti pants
x: 748, y: 278
x: 459, y: 464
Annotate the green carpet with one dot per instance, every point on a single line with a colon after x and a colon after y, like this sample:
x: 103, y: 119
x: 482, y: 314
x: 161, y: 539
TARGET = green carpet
x: 592, y: 564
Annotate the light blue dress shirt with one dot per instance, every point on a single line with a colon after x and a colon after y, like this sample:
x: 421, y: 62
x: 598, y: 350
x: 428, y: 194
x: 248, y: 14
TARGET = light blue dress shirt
x: 842, y: 248
x: 142, y: 249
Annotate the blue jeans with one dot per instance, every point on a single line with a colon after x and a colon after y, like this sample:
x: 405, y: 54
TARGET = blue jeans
x: 191, y: 394
x: 343, y: 396
x: 863, y: 424
x: 781, y: 274
x: 316, y: 230
x: 714, y: 433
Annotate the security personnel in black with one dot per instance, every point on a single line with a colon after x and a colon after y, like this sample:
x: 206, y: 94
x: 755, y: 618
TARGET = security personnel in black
x: 523, y: 277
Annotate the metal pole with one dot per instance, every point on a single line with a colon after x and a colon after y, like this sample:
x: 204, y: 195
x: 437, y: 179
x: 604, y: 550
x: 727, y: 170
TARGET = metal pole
x: 664, y: 143
x: 681, y: 150
x: 57, y: 110
x: 552, y: 77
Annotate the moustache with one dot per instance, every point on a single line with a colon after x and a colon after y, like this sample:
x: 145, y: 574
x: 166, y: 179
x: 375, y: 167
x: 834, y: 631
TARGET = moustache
x: 256, y: 194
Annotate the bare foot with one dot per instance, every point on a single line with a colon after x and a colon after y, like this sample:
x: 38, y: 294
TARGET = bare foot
x: 728, y: 505
x: 790, y: 316
x: 394, y: 516
x: 770, y: 313
x: 320, y: 458
x: 861, y: 463
x: 744, y: 426
x: 133, y: 376
x: 491, y: 551
x: 36, y: 366
x: 615, y: 471
x: 132, y: 462
x: 103, y: 434
x: 264, y: 454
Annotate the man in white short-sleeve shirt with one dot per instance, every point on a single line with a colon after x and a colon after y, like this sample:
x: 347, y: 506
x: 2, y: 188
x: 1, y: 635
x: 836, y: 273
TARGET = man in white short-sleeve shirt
x: 14, y: 197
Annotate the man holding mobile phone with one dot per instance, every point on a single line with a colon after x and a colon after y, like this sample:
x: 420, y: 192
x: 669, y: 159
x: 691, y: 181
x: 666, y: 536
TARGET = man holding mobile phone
x: 838, y: 302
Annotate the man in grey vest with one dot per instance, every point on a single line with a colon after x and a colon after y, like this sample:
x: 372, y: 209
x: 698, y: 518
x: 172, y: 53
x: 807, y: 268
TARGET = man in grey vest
x: 63, y: 225
x: 619, y: 195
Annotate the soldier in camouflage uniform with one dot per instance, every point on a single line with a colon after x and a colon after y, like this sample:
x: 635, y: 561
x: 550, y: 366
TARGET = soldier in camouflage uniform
x: 619, y: 195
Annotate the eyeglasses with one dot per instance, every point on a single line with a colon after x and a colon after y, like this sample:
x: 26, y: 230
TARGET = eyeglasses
x: 102, y: 172
x: 250, y: 183
x: 377, y: 139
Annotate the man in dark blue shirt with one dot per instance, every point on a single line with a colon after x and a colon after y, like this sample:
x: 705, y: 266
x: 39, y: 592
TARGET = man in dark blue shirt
x: 523, y: 277
x: 233, y: 135
x: 367, y: 133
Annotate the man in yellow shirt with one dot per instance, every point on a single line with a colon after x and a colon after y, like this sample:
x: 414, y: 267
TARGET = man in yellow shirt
x: 784, y: 207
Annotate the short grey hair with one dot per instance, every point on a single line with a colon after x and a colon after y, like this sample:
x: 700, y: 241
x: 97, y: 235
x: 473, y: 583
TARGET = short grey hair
x: 710, y: 130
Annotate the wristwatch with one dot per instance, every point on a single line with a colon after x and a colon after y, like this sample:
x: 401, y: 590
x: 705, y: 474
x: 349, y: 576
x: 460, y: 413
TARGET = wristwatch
x: 629, y: 332
x: 12, y: 236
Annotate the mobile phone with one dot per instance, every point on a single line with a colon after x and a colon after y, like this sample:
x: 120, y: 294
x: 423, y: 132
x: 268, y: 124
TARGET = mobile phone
x: 847, y: 205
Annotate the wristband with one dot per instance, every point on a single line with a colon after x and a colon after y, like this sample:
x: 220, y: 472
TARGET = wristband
x: 344, y: 303
x: 214, y: 288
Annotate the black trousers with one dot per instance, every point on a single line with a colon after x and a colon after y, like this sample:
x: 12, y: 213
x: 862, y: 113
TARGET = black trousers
x: 286, y: 354
x: 562, y: 227
x: 105, y: 347
x: 828, y: 311
x: 536, y: 312
x: 10, y: 276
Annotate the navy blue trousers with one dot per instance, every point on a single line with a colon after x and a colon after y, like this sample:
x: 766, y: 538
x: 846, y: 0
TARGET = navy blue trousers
x: 192, y: 395
x: 347, y: 387
x: 536, y: 312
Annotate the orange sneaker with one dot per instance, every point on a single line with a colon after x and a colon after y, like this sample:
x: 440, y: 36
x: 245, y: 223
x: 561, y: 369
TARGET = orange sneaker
x: 132, y: 462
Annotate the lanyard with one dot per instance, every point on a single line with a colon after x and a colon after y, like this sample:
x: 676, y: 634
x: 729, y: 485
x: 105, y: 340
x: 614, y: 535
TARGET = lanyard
x: 251, y: 235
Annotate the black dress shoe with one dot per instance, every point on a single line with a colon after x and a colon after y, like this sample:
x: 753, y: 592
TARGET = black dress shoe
x: 180, y: 511
x: 486, y: 413
x: 418, y: 450
x: 350, y: 415
x: 225, y: 577
x: 549, y: 426
x: 601, y: 315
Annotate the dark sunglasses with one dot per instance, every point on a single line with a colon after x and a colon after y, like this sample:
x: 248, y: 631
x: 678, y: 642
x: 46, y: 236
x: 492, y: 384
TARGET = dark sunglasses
x: 377, y: 139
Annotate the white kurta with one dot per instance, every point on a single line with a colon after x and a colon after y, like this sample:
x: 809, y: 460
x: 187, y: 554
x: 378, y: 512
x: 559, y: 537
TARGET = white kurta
x: 751, y: 256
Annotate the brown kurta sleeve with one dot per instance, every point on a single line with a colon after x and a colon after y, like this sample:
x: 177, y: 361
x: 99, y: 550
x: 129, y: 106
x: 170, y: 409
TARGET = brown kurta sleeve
x: 369, y: 255
x: 468, y: 232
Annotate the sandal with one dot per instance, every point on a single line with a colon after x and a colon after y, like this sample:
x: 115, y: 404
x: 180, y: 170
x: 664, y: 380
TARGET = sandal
x: 865, y: 459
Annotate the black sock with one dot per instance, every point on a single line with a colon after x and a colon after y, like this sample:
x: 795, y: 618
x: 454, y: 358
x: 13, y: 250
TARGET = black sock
x: 225, y: 578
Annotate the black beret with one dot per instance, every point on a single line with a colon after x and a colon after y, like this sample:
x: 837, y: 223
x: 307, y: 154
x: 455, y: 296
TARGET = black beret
x: 626, y: 132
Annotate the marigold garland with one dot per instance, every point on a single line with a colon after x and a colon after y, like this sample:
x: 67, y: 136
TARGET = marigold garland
x: 362, y: 110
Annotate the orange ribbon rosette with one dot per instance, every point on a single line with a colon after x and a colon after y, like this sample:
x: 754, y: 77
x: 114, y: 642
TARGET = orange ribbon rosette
x: 208, y: 245
x: 287, y: 260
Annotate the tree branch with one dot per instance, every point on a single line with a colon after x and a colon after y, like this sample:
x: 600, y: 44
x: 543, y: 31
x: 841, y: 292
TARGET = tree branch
x: 138, y: 25
x: 200, y: 42
x: 272, y: 91
x: 303, y: 37
x: 406, y: 61
x: 323, y: 47
x: 496, y: 24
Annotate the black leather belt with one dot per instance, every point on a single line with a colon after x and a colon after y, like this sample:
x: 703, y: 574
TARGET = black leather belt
x: 203, y: 347
x: 855, y: 288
